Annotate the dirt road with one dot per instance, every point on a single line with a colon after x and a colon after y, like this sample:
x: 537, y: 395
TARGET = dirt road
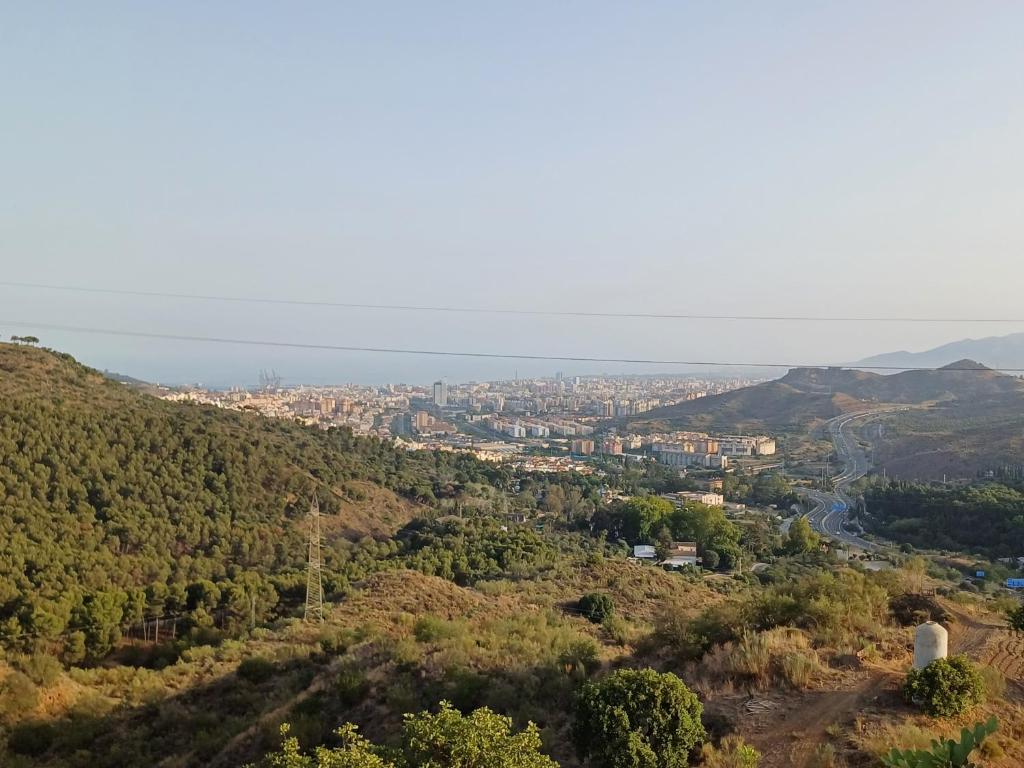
x: 788, y: 734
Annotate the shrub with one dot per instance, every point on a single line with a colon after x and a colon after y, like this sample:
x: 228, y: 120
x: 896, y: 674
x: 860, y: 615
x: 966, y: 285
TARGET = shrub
x: 256, y: 669
x: 637, y: 718
x: 18, y: 696
x: 711, y: 559
x: 351, y: 685
x: 619, y: 631
x: 731, y: 753
x: 993, y: 680
x: 579, y: 657
x: 481, y: 739
x: 43, y: 669
x: 429, y: 629
x: 1016, y: 618
x: 596, y: 606
x: 946, y: 687
x: 31, y: 739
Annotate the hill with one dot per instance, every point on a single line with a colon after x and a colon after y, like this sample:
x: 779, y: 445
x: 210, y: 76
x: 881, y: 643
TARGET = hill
x: 998, y: 352
x: 115, y: 505
x: 970, y: 420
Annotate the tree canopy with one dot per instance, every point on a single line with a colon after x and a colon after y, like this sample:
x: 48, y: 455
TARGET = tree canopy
x: 637, y: 719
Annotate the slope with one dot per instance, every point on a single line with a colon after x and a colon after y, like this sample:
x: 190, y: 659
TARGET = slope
x: 115, y: 505
x: 971, y: 418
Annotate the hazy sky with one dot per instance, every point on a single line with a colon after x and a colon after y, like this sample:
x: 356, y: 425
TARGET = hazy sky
x: 756, y: 158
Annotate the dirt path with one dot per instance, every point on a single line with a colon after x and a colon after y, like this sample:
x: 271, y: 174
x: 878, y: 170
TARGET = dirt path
x: 789, y: 739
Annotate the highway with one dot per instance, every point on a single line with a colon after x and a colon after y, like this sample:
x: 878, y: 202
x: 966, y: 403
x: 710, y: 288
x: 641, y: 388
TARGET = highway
x: 831, y: 508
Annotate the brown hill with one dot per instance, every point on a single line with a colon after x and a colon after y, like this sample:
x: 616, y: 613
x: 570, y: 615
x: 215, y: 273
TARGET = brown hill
x: 972, y: 420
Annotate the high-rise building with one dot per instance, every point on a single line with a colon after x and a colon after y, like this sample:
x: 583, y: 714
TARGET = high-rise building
x: 441, y: 393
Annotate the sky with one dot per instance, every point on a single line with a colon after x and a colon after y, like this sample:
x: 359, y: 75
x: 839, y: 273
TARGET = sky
x: 827, y: 159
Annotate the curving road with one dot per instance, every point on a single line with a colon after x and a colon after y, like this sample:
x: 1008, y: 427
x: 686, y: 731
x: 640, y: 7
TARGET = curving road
x: 830, y: 509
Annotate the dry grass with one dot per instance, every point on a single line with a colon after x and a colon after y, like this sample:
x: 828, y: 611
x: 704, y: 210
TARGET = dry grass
x: 762, y: 660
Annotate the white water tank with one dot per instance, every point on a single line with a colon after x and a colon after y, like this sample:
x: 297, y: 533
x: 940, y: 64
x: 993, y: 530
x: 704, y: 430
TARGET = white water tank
x: 931, y: 642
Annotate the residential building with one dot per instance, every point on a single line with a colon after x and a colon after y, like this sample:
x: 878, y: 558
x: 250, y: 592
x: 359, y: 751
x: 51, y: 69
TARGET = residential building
x: 681, y: 555
x: 441, y: 393
x: 583, y: 447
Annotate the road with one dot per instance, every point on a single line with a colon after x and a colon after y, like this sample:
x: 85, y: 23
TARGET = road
x: 831, y: 508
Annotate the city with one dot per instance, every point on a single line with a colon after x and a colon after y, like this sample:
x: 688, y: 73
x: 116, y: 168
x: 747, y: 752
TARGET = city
x: 552, y: 424
x: 512, y: 385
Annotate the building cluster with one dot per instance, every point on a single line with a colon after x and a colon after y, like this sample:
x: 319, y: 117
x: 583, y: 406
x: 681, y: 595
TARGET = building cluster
x: 693, y: 449
x: 493, y: 419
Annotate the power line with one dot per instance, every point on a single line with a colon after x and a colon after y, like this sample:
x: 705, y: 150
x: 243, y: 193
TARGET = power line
x: 501, y: 311
x: 452, y: 353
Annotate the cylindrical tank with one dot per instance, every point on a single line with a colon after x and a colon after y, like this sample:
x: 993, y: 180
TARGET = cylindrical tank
x: 931, y: 642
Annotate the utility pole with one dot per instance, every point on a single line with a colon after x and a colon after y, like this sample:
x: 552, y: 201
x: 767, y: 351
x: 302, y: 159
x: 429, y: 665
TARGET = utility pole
x: 314, y: 585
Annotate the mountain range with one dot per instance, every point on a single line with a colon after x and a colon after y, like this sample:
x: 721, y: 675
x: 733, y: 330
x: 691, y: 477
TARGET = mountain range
x: 998, y: 352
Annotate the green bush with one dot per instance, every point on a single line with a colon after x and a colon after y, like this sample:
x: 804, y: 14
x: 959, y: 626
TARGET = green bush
x: 31, y: 739
x: 579, y: 657
x: 946, y: 687
x: 637, y: 719
x: 44, y: 670
x: 430, y: 629
x: 1016, y: 618
x: 351, y: 685
x: 481, y: 739
x: 18, y: 696
x: 731, y: 753
x: 596, y: 606
x: 256, y: 669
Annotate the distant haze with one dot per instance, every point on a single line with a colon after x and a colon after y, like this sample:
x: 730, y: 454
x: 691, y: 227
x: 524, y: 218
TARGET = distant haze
x: 789, y: 158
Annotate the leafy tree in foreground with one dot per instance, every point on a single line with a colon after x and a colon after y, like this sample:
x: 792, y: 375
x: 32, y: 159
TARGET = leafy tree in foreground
x: 447, y: 739
x: 637, y: 719
x: 946, y: 687
x: 597, y: 606
x: 945, y: 753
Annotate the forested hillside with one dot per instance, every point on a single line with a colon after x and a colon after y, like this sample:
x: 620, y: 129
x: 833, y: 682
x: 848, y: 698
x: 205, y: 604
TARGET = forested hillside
x: 986, y: 518
x: 115, y: 505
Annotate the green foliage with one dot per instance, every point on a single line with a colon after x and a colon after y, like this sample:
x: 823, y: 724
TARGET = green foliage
x: 643, y: 516
x: 447, y: 739
x: 986, y: 517
x: 1015, y: 618
x: 115, y: 506
x: 354, y: 752
x: 18, y: 696
x: 653, y: 519
x: 481, y: 549
x: 32, y: 739
x: 596, y: 606
x: 43, y: 670
x: 637, y: 719
x: 825, y: 604
x: 579, y: 657
x: 944, y: 753
x: 481, y: 739
x: 946, y: 687
x: 731, y: 753
x: 801, y: 538
x: 256, y: 669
